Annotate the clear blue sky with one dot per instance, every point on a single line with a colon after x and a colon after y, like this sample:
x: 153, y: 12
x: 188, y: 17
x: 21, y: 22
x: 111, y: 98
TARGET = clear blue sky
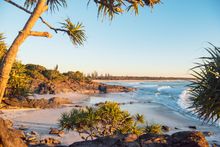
x: 164, y: 41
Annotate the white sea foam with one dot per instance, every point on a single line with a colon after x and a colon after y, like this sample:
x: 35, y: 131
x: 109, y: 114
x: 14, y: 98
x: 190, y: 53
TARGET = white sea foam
x: 163, y: 88
x: 184, y: 100
x: 145, y: 86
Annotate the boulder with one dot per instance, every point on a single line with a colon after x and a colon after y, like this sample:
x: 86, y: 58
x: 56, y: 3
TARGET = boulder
x: 180, y: 139
x: 165, y: 128
x: 8, y: 137
x: 59, y: 101
x: 189, y: 139
x: 155, y: 140
x: 208, y: 133
x: 130, y: 138
x: 23, y: 127
x: 192, y: 127
x: 100, y: 142
x: 56, y: 131
x: 50, y: 141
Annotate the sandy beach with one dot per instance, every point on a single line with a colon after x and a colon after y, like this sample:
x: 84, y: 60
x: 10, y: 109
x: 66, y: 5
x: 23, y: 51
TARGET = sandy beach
x: 41, y: 120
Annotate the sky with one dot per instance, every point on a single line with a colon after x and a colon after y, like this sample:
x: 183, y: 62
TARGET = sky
x: 163, y: 41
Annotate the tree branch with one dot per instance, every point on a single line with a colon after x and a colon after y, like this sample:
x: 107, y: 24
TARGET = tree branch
x: 42, y: 20
x: 40, y: 34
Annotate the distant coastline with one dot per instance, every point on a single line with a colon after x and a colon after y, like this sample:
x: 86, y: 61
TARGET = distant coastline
x: 135, y: 78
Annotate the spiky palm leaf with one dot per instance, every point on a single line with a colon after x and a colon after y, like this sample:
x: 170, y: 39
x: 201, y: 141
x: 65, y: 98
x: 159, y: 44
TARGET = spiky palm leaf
x: 205, y: 90
x: 52, y: 4
x: 111, y: 7
x: 75, y: 32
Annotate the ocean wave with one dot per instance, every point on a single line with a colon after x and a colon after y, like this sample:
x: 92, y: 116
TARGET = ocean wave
x: 163, y: 88
x: 145, y: 86
x: 184, y: 100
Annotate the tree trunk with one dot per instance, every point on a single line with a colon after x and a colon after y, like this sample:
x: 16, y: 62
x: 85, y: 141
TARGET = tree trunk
x: 11, y: 54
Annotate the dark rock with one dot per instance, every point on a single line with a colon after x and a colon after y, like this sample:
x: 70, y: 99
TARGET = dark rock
x: 8, y: 138
x: 78, y: 106
x: 130, y: 138
x: 208, y: 133
x: 180, y: 139
x: 100, y: 142
x: 154, y: 140
x: 34, y: 133
x: 50, y: 141
x: 189, y: 139
x: 60, y: 101
x: 165, y: 128
x: 102, y: 88
x: 192, y: 127
x: 176, y: 128
x: 46, y: 88
x: 56, y: 131
x: 22, y: 127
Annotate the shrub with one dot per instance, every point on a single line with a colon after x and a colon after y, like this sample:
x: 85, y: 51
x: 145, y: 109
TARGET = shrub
x: 34, y: 67
x: 75, y: 76
x: 205, y: 89
x: 53, y: 75
x: 19, y: 83
x: 105, y: 120
x: 153, y: 128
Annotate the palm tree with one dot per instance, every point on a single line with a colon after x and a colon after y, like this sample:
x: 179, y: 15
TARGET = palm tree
x: 205, y: 90
x: 75, y: 31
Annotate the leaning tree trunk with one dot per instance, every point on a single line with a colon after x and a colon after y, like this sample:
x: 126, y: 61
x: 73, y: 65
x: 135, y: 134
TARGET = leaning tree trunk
x: 12, y: 52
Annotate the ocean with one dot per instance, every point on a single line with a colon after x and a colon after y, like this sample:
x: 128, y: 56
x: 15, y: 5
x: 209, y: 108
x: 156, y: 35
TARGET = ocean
x: 161, y: 102
x: 171, y: 94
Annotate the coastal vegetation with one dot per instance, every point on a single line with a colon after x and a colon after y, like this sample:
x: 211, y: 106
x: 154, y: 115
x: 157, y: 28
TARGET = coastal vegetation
x: 205, y: 89
x: 107, y: 119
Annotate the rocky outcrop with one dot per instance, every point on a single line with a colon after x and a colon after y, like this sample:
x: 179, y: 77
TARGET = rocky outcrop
x: 59, y: 101
x: 180, y: 139
x: 189, y: 139
x: 36, y: 103
x: 79, y: 87
x: 10, y: 137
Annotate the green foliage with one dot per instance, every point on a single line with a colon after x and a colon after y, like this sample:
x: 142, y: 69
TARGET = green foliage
x: 75, y: 76
x: 153, y: 128
x: 205, y: 89
x: 19, y: 82
x: 53, y: 4
x: 35, y: 71
x: 2, y: 46
x: 74, y: 31
x: 111, y: 7
x: 105, y: 120
x: 53, y: 75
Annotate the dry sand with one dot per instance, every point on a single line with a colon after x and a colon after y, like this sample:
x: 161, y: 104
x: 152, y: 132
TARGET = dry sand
x: 41, y: 120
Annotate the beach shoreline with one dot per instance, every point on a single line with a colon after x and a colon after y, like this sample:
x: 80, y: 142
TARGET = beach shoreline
x: 41, y: 120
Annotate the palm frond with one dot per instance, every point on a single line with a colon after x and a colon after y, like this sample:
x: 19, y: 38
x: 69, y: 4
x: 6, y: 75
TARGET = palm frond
x: 52, y: 4
x: 205, y: 90
x: 75, y: 32
x: 112, y: 7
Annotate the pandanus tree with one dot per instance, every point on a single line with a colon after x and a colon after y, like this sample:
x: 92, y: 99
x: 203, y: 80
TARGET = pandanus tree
x: 76, y: 32
x: 205, y: 89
